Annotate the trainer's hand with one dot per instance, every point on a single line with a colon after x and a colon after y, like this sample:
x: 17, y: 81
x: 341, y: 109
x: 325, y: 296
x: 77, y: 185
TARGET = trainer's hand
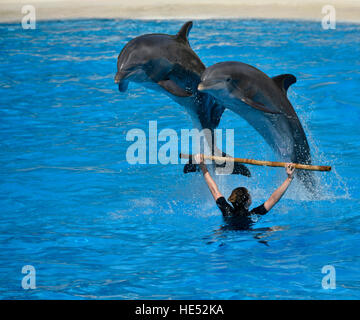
x: 290, y: 169
x: 199, y: 158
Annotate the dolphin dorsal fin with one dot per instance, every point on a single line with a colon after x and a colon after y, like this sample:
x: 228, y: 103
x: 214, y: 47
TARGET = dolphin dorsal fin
x: 284, y: 81
x: 184, y: 31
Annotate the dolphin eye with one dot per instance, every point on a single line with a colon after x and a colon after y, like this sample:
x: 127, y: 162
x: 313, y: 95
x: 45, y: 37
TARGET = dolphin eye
x: 228, y: 79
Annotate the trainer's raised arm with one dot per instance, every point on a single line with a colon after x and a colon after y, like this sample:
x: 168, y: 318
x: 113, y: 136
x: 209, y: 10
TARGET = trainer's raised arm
x: 199, y: 159
x: 279, y: 192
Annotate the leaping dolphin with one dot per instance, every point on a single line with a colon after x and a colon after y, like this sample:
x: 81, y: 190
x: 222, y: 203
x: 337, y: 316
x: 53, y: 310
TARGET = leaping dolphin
x: 166, y: 63
x: 262, y: 101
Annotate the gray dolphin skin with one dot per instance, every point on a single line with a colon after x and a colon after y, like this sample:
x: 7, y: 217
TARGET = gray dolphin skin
x: 166, y: 63
x: 262, y: 101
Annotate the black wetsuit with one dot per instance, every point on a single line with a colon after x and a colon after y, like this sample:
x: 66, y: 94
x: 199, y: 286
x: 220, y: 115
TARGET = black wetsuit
x: 236, y: 219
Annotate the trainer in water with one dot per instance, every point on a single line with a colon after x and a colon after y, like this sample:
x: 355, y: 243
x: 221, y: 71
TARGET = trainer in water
x: 238, y: 214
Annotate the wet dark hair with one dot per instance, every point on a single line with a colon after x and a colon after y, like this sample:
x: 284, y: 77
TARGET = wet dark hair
x: 239, y: 197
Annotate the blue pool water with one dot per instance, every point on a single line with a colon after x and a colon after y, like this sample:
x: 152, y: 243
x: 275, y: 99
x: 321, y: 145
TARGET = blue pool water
x: 94, y: 226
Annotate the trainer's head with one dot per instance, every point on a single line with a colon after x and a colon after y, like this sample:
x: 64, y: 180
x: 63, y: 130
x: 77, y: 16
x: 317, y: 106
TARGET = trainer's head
x: 240, y: 198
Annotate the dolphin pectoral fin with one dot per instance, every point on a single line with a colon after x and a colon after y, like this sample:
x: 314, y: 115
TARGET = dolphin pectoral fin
x: 123, y: 85
x: 238, y: 93
x: 257, y: 105
x: 119, y: 80
x: 171, y: 87
x: 284, y: 81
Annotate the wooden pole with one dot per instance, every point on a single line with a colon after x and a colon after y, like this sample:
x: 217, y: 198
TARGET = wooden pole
x: 260, y: 162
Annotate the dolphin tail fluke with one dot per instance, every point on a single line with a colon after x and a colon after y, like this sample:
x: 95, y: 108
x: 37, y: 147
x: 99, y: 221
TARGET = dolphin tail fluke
x: 237, y: 169
x: 241, y: 169
x: 303, y: 155
x: 191, y: 167
x: 307, y: 179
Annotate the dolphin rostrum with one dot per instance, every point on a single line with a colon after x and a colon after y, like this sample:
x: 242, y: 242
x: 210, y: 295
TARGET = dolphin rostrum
x: 166, y: 63
x: 262, y: 101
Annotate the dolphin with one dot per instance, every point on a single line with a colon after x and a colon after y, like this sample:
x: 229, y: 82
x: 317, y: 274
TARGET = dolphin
x: 167, y: 64
x: 262, y: 101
